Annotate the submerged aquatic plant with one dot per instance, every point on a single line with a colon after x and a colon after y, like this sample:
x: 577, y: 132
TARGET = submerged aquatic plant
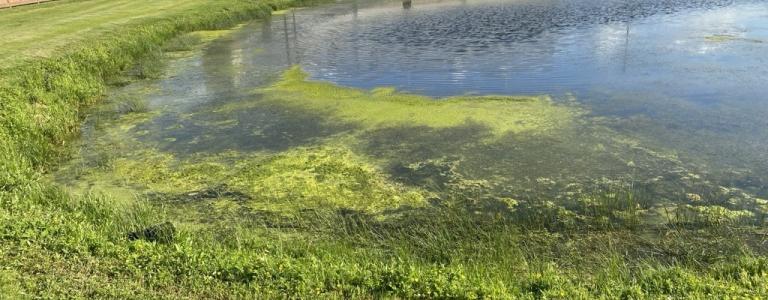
x: 131, y: 104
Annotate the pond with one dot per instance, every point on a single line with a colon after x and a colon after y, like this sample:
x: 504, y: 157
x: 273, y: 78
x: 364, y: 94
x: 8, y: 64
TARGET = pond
x: 571, y: 103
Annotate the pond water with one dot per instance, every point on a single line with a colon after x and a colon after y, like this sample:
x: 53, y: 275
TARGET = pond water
x: 669, y: 97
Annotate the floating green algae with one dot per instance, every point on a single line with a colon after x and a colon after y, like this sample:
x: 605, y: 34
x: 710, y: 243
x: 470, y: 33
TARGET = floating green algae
x: 279, y: 155
x: 58, y: 247
x: 302, y: 178
x: 724, y: 38
x: 720, y: 38
x: 383, y: 107
x: 196, y: 40
x: 452, y: 212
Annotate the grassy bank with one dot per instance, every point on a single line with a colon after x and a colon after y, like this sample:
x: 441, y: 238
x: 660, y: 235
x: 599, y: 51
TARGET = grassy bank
x: 313, y: 221
x: 49, y: 75
x: 58, y: 61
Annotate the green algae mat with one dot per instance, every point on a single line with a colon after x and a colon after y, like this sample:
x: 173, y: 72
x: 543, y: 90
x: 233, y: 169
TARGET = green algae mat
x: 306, y: 189
x: 362, y: 197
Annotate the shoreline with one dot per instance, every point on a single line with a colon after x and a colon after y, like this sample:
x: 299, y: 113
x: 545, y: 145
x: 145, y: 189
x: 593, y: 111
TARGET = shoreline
x: 323, y: 220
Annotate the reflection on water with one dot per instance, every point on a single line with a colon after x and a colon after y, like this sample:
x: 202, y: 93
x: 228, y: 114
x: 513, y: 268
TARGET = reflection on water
x: 453, y: 47
x: 675, y: 91
x: 688, y: 76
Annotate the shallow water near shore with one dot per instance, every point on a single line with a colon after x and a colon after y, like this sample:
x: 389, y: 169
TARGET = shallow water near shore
x: 561, y: 107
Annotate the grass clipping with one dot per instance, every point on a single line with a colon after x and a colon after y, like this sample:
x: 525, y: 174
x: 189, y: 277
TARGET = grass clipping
x: 386, y: 107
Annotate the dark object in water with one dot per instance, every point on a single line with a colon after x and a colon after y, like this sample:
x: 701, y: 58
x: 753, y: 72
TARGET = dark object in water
x: 162, y: 233
x: 407, y: 4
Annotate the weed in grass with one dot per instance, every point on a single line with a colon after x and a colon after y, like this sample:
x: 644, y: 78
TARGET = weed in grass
x: 151, y: 66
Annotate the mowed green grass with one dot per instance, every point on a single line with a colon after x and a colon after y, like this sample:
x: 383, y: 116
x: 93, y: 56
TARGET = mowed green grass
x: 47, y: 29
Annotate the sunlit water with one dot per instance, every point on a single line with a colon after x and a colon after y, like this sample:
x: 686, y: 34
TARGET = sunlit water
x: 512, y: 47
x: 692, y: 74
x: 685, y: 78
